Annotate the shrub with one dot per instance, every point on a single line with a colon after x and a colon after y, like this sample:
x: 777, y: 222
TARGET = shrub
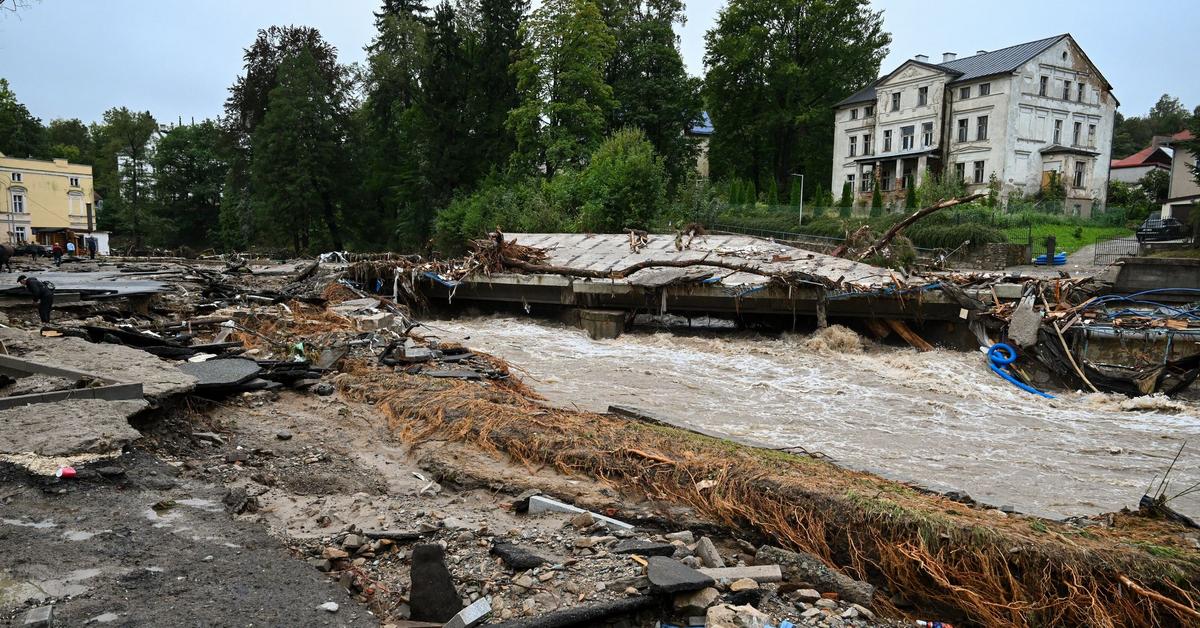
x: 623, y: 186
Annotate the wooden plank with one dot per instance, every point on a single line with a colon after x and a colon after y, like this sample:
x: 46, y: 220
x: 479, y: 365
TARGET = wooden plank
x: 908, y: 335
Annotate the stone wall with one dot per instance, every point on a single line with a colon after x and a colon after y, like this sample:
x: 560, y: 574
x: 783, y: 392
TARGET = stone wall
x: 994, y: 256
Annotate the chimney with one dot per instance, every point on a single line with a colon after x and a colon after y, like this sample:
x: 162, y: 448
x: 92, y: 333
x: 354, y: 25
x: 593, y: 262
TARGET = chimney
x: 980, y: 52
x: 948, y: 56
x: 922, y: 58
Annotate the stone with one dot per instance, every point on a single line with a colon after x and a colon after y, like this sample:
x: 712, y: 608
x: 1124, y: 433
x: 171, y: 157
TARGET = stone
x: 321, y: 564
x: 40, y: 617
x: 330, y: 607
x: 729, y: 616
x: 864, y: 611
x: 524, y: 581
x: 686, y: 536
x: 804, y: 567
x: 745, y: 584
x: 352, y: 542
x: 708, y: 553
x: 472, y: 615
x: 671, y: 576
x: 209, y: 436
x: 643, y: 548
x: 585, y: 541
x: 696, y: 602
x: 516, y: 557
x: 1024, y: 324
x: 825, y: 603
x: 433, y: 596
x: 757, y: 573
x: 324, y: 389
x: 583, y: 520
x: 808, y: 595
x: 850, y: 613
x: 692, y: 561
x: 283, y: 435
x: 374, y: 322
x: 333, y: 553
x: 812, y: 612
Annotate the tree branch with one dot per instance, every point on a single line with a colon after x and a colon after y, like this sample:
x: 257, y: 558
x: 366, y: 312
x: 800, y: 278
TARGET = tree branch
x: 917, y: 215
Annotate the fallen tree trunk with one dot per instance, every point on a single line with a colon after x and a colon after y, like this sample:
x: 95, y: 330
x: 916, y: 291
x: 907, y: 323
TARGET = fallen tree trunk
x: 548, y: 269
x: 917, y: 215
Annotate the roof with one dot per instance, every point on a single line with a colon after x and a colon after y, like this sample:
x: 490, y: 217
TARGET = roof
x: 1148, y: 156
x: 990, y: 63
x: 1183, y: 136
x: 704, y: 128
x: 1059, y: 149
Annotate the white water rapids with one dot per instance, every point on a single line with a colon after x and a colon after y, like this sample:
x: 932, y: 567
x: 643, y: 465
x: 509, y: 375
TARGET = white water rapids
x: 942, y: 418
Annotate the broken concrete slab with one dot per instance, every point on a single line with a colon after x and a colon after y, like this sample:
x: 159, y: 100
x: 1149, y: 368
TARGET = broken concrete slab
x: 40, y: 617
x: 1024, y: 324
x: 582, y: 615
x: 671, y: 576
x: 472, y: 615
x: 708, y: 553
x: 221, y: 373
x: 88, y: 426
x: 696, y: 602
x: 374, y: 322
x: 346, y: 308
x: 541, y: 503
x: 757, y: 573
x: 803, y: 567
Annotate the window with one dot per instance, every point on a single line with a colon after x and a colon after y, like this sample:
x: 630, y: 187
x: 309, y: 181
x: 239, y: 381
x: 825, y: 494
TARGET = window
x: 1079, y: 90
x: 962, y: 130
x: 1058, y: 131
x: 18, y: 203
x: 867, y: 148
x: 16, y: 177
x: 850, y: 180
x: 869, y: 111
x: 1077, y: 133
x: 867, y: 179
x: 927, y: 134
x: 896, y: 101
x: 960, y: 171
x: 1042, y: 87
x: 1066, y: 90
x: 922, y: 96
x: 964, y: 92
x: 1079, y: 166
x: 1092, y: 135
x: 979, y: 172
x: 985, y: 89
x: 854, y: 114
x: 887, y: 141
x: 853, y: 145
x: 19, y: 234
x: 74, y: 182
x: 906, y: 137
x: 981, y: 128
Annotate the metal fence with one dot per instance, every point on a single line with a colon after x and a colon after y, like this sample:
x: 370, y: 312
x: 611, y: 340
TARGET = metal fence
x: 1109, y: 251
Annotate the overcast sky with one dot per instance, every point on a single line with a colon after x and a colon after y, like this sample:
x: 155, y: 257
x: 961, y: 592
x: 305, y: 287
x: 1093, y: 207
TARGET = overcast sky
x: 177, y: 58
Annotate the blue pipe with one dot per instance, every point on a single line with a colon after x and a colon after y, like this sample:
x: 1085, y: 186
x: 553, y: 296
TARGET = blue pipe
x: 1000, y: 355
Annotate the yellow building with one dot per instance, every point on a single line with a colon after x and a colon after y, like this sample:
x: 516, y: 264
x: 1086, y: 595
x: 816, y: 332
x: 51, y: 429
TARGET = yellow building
x: 45, y: 201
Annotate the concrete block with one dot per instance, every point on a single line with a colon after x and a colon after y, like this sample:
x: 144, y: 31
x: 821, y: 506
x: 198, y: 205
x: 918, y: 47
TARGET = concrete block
x: 374, y: 322
x: 757, y: 573
x: 602, y: 324
x: 40, y: 617
x: 540, y: 503
x: 472, y: 615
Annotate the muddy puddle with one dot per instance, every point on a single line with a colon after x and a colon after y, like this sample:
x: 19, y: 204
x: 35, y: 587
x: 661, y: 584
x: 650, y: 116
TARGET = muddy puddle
x: 940, y: 418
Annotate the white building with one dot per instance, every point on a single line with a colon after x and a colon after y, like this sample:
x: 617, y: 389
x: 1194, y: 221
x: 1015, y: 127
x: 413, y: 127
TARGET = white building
x: 1019, y: 113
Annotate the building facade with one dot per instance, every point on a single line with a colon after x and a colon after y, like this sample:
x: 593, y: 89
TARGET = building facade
x: 1029, y: 115
x: 45, y: 201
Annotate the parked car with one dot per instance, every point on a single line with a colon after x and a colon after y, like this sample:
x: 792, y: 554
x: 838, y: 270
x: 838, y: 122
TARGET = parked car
x: 1158, y: 229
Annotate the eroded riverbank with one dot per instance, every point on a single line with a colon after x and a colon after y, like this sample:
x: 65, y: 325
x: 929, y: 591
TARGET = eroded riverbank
x: 940, y: 418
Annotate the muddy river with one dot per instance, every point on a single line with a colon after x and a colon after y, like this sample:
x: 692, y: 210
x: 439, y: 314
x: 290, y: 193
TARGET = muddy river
x: 940, y: 418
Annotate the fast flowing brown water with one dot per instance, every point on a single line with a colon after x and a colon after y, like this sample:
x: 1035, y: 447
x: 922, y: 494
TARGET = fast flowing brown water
x: 942, y: 418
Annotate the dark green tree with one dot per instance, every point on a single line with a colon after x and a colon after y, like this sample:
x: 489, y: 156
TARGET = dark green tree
x: 565, y: 101
x: 450, y: 160
x: 127, y: 177
x: 297, y: 159
x: 910, y: 193
x: 775, y: 70
x: 876, y: 202
x: 70, y: 140
x: 624, y: 185
x: 649, y: 80
x: 1131, y: 134
x: 21, y: 134
x: 492, y: 47
x: 189, y: 169
x: 404, y: 9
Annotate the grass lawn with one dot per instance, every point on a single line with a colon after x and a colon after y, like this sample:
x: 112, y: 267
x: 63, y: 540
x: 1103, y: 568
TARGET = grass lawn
x: 1181, y: 254
x: 1066, y: 235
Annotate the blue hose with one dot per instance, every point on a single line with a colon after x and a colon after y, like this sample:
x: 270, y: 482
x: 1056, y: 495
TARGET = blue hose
x: 1001, y: 355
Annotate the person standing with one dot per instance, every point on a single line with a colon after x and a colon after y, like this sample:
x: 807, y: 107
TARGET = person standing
x: 43, y: 296
x: 70, y: 248
x: 57, y: 252
x: 91, y: 246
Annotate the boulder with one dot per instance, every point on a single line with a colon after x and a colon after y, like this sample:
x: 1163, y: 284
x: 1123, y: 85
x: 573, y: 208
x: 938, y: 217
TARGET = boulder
x: 433, y: 596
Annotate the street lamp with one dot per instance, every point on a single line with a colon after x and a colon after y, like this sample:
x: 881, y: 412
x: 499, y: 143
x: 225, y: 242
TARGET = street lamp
x: 801, y: 197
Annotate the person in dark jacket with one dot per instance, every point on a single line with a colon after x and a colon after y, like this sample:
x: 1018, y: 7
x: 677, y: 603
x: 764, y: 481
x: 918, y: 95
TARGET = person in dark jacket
x: 42, y: 294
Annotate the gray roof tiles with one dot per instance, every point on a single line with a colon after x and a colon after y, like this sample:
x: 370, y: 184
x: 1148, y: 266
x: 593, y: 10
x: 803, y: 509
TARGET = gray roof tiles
x: 970, y: 68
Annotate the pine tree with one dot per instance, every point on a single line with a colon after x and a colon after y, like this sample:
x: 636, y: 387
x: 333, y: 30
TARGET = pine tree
x: 492, y: 48
x: 772, y: 193
x: 910, y: 194
x: 876, y: 203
